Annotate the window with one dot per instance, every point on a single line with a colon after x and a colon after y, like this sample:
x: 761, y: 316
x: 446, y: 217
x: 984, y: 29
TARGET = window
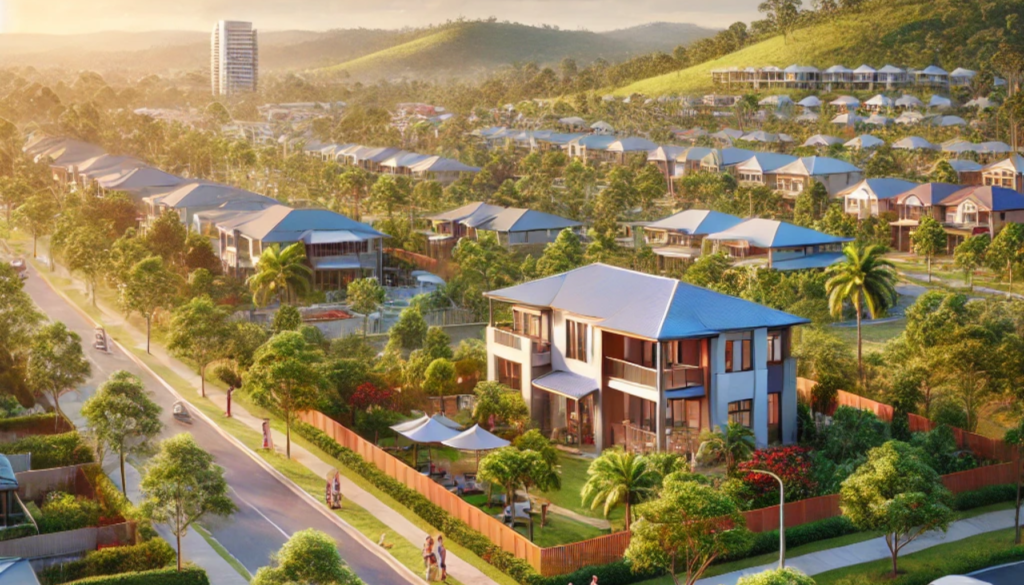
x: 740, y: 412
x: 510, y: 374
x: 774, y: 418
x: 576, y: 340
x: 775, y: 347
x: 742, y: 349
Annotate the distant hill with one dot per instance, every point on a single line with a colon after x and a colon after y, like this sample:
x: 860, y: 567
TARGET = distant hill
x: 907, y: 33
x: 474, y: 47
x: 458, y: 49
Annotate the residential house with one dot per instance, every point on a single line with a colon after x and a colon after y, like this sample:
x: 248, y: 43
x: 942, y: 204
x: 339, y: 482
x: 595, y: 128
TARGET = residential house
x: 864, y: 77
x: 981, y: 210
x: 1007, y: 173
x: 785, y: 246
x: 137, y: 180
x: 968, y: 172
x: 872, y: 197
x: 932, y: 76
x: 835, y: 174
x: 524, y: 227
x: 446, y: 229
x: 722, y: 160
x: 338, y: 249
x: 891, y: 77
x: 961, y: 77
x: 926, y: 200
x: 678, y: 238
x: 606, y: 357
x: 84, y: 174
x: 443, y: 170
x: 590, y: 147
x: 192, y: 198
x: 620, y: 150
x: 759, y: 168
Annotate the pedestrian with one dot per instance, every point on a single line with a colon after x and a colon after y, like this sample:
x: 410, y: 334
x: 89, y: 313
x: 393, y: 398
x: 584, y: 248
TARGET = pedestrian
x: 428, y: 557
x: 594, y: 580
x: 442, y: 556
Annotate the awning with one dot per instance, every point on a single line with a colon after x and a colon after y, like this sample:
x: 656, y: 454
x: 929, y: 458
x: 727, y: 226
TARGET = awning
x: 431, y: 431
x: 409, y: 424
x: 476, y: 439
x: 685, y: 393
x: 567, y: 384
x: 819, y: 260
x: 676, y: 252
x: 338, y: 265
x: 330, y: 237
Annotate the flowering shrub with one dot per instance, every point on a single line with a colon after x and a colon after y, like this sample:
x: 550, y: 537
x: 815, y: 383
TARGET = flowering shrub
x: 792, y: 464
x: 367, y: 395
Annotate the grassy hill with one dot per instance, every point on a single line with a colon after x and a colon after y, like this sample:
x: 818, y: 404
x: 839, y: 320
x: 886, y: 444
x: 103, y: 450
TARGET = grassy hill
x: 473, y: 47
x: 912, y: 33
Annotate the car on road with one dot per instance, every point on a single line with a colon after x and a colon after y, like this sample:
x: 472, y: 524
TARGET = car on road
x: 20, y: 267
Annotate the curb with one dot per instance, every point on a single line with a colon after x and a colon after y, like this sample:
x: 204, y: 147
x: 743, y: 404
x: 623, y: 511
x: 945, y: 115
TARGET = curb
x: 391, y: 561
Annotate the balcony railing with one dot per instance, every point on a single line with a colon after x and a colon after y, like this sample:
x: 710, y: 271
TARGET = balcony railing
x: 632, y: 437
x: 539, y: 348
x: 631, y: 372
x: 682, y: 377
x: 508, y: 339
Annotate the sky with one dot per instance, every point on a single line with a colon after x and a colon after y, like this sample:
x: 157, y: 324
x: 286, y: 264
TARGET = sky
x: 84, y: 16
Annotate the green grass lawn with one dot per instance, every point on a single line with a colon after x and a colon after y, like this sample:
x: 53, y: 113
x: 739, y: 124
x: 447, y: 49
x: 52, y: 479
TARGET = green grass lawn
x: 574, y: 475
x: 557, y: 529
x: 953, y: 558
x: 875, y: 336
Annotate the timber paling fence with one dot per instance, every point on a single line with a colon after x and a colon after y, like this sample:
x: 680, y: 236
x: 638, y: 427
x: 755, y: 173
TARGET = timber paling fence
x: 566, y: 558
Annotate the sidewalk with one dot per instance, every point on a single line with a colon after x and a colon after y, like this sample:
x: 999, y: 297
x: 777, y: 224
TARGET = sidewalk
x: 875, y: 549
x: 459, y: 569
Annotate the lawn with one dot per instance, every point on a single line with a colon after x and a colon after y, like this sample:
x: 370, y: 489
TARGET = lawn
x: 557, y: 529
x: 574, y: 475
x: 875, y: 335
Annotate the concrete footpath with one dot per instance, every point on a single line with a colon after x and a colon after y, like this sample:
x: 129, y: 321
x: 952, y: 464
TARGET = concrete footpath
x: 875, y: 549
x: 459, y: 569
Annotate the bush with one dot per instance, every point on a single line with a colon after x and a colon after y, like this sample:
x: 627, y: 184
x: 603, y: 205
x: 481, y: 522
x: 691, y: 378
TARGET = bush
x: 148, y: 556
x: 19, y: 531
x: 50, y: 451
x: 187, y: 576
x: 62, y: 511
x: 36, y: 424
x: 791, y: 463
x: 986, y: 496
x: 941, y: 451
x: 768, y: 542
x: 618, y: 572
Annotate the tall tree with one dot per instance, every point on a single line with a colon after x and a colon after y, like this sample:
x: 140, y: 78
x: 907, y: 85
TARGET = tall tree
x: 1015, y: 437
x: 863, y: 278
x: 56, y: 362
x: 562, y: 255
x: 166, y: 237
x: 618, y: 478
x: 782, y: 14
x: 37, y: 216
x: 1006, y: 252
x: 389, y: 194
x: 691, y: 524
x: 511, y: 469
x: 310, y: 557
x: 123, y: 417
x: 149, y: 286
x: 365, y: 296
x: 286, y: 376
x: 354, y: 181
x: 928, y: 239
x: 281, y: 274
x: 970, y: 255
x: 86, y: 251
x: 897, y: 493
x: 200, y: 332
x: 181, y: 485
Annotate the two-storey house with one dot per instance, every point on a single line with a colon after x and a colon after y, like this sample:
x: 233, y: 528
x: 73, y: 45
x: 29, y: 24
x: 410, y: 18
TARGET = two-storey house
x: 678, y: 238
x: 912, y: 206
x: 606, y: 356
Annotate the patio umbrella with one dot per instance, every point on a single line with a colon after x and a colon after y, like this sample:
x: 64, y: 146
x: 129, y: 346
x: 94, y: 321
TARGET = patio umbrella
x: 995, y: 147
x: 880, y: 101
x: 940, y: 102
x: 847, y: 119
x: 447, y: 422
x: 431, y: 431
x: 476, y: 439
x: 847, y: 101
x: 409, y: 424
x: 910, y: 117
x: 878, y: 120
x: 807, y: 117
x: 947, y: 121
x: 959, y: 146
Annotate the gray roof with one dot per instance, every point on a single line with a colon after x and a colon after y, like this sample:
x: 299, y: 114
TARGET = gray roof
x: 15, y: 571
x: 631, y: 144
x: 206, y: 195
x: 71, y: 152
x: 525, y: 220
x: 929, y: 193
x: 567, y: 384
x: 880, y: 188
x: 697, y: 222
x: 280, y: 223
x: 814, y: 166
x: 771, y: 233
x: 477, y: 209
x: 437, y: 164
x: 140, y: 178
x: 652, y: 307
x: 766, y: 162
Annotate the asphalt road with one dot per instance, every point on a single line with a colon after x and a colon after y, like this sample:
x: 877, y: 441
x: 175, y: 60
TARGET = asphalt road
x: 1006, y: 575
x: 268, y: 511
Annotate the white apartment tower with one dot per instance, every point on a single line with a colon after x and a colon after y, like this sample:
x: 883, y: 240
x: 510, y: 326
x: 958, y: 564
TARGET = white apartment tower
x: 234, y: 57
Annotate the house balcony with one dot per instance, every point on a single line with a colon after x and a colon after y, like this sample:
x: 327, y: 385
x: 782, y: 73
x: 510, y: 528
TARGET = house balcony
x: 637, y: 439
x: 676, y: 376
x: 539, y: 350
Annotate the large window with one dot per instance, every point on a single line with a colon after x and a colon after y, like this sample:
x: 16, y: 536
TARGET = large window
x: 775, y: 347
x: 741, y: 412
x: 774, y: 418
x: 739, y: 355
x: 576, y: 340
x: 510, y: 374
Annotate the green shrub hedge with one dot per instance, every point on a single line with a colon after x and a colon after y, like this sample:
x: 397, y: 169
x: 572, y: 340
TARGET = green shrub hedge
x: 986, y: 496
x: 62, y: 511
x: 19, y: 531
x: 37, y: 424
x: 187, y: 576
x: 148, y: 556
x: 616, y: 573
x: 768, y: 542
x: 50, y: 451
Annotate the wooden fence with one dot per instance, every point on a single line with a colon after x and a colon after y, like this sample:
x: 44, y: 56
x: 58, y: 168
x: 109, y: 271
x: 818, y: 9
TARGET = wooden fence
x: 69, y: 542
x: 421, y: 261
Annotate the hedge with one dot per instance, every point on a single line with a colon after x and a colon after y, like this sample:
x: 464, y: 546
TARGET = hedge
x: 986, y: 496
x: 616, y: 573
x: 36, y: 424
x: 19, y: 531
x: 768, y: 541
x: 63, y: 511
x: 148, y: 556
x: 49, y: 451
x: 187, y: 576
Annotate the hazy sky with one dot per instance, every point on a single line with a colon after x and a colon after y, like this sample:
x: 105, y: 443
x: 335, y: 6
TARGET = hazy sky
x: 77, y: 16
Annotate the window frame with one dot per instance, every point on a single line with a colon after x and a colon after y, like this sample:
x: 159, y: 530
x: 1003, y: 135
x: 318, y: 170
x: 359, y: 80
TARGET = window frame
x: 576, y: 333
x: 738, y: 410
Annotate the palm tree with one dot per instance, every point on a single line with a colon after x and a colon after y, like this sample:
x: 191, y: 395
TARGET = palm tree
x: 733, y: 442
x: 282, y: 273
x: 864, y: 277
x: 618, y: 477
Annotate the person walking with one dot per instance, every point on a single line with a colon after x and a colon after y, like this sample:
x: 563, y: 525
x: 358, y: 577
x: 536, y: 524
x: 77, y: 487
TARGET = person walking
x: 428, y: 557
x: 442, y: 555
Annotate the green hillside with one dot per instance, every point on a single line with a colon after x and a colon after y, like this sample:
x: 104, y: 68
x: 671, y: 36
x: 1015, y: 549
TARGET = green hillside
x: 474, y: 47
x: 912, y: 33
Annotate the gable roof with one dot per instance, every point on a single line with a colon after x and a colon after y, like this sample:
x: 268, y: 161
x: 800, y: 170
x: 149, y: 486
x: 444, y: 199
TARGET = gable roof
x: 771, y: 233
x: 696, y: 222
x: 1015, y: 163
x: 468, y: 211
x: 766, y: 162
x: 813, y: 166
x: 929, y: 193
x: 652, y: 307
x: 991, y: 198
x: 139, y: 178
x: 631, y: 144
x: 204, y: 195
x: 525, y: 220
x: 280, y: 223
x: 878, y: 188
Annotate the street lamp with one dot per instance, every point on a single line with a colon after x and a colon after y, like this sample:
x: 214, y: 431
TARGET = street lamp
x: 782, y: 516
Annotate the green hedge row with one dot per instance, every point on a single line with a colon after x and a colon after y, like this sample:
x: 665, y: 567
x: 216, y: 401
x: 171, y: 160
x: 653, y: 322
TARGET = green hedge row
x: 187, y: 576
x: 768, y: 541
x: 986, y: 496
x: 148, y: 556
x: 19, y: 531
x: 43, y: 423
x: 49, y: 451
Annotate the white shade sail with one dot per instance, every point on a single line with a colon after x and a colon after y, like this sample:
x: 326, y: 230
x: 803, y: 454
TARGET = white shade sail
x: 409, y: 424
x: 432, y: 431
x: 476, y: 439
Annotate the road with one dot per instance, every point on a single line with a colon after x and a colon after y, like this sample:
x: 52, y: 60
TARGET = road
x: 268, y: 511
x: 1004, y: 575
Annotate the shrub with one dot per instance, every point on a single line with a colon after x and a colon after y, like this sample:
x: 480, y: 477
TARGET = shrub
x: 792, y: 464
x: 148, y: 556
x: 768, y: 542
x: 617, y: 572
x: 19, y: 531
x: 50, y: 451
x: 187, y: 576
x: 776, y: 577
x: 853, y: 433
x: 62, y: 511
x: 35, y: 424
x: 941, y: 451
x: 986, y: 496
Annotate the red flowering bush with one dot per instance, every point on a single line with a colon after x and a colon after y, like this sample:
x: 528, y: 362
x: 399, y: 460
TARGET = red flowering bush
x: 792, y: 464
x: 367, y: 395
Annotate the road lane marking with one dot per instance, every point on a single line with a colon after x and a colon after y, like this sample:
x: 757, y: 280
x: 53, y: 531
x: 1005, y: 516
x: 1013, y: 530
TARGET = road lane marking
x: 264, y: 516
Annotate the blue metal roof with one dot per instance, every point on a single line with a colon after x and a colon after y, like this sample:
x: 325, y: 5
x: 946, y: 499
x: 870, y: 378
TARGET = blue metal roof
x: 652, y: 307
x: 881, y: 188
x: 821, y: 260
x: 771, y: 233
x: 697, y: 222
x: 684, y: 393
x: 597, y: 141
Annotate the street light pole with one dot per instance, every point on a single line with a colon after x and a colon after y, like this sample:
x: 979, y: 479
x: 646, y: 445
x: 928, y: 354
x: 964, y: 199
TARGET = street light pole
x: 782, y: 516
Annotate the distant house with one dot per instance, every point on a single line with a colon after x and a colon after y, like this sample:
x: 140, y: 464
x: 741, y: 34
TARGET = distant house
x: 590, y: 147
x: 968, y: 172
x: 85, y: 173
x: 980, y: 209
x: 890, y: 77
x: 932, y: 76
x: 785, y: 246
x: 513, y: 227
x: 913, y: 205
x: 871, y: 197
x: 836, y: 175
x: 338, y: 249
x: 678, y: 238
x: 139, y: 179
x: 443, y: 170
x: 722, y: 160
x: 1007, y: 173
x: 190, y: 199
x: 759, y: 169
